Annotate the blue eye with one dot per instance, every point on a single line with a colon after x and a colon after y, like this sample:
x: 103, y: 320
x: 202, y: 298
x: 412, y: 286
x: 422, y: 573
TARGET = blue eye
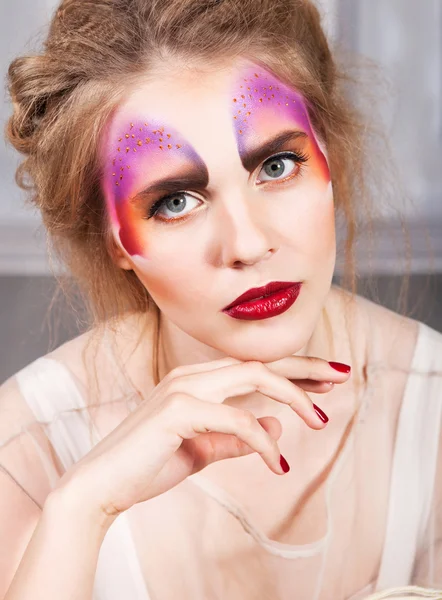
x: 176, y: 203
x: 274, y: 167
x: 282, y: 165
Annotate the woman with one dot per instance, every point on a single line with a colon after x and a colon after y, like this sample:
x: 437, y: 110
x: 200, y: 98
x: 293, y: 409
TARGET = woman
x: 182, y: 155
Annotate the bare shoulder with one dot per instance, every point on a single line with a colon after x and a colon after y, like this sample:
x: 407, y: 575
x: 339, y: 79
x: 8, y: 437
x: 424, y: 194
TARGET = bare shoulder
x: 110, y: 355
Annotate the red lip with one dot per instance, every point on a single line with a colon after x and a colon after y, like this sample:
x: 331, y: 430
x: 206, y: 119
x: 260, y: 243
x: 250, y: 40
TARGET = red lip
x: 265, y: 307
x: 260, y: 292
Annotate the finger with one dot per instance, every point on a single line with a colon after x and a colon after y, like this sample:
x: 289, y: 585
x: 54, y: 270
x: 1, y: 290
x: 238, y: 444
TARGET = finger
x: 210, y: 365
x: 318, y: 387
x: 189, y: 417
x: 307, y: 367
x: 245, y: 378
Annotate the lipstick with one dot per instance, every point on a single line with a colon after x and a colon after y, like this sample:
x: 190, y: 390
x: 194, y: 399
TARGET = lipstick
x: 264, y: 302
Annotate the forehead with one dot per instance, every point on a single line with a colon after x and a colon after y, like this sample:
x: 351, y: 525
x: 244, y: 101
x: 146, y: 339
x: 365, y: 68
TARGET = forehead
x: 191, y: 100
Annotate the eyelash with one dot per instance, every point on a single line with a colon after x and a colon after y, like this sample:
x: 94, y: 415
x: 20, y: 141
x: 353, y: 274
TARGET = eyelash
x: 300, y: 158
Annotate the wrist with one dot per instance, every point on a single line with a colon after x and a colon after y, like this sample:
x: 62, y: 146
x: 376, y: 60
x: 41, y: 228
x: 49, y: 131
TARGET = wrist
x: 70, y: 502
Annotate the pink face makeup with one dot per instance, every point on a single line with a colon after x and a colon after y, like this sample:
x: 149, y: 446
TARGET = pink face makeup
x: 262, y: 104
x: 140, y: 150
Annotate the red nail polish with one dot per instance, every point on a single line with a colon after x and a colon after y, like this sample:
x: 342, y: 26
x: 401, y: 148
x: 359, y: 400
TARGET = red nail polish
x: 321, y: 414
x: 341, y: 367
x: 284, y: 464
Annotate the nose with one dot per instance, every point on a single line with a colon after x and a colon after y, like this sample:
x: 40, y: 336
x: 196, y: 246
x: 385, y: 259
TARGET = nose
x: 244, y: 232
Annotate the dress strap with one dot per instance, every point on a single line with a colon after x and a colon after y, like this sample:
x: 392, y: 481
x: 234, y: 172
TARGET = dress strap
x: 414, y: 462
x: 51, y: 393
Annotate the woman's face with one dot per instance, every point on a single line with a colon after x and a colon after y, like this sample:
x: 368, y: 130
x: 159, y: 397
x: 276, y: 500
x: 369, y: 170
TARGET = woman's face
x: 248, y: 200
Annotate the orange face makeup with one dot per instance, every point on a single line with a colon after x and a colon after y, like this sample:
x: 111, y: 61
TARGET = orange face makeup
x: 138, y: 150
x: 141, y: 151
x: 262, y: 104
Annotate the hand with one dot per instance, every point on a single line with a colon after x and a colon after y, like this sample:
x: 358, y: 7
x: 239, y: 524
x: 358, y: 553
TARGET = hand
x: 183, y: 426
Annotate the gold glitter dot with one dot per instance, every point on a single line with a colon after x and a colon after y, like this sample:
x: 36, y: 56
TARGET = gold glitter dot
x: 121, y: 159
x: 120, y: 139
x: 113, y: 162
x: 264, y: 88
x: 264, y: 94
x: 169, y: 146
x: 273, y: 95
x: 286, y: 103
x: 234, y: 99
x: 133, y: 135
x: 260, y: 99
x: 245, y: 121
x: 178, y: 145
x: 121, y: 177
x: 113, y: 174
x: 248, y: 114
x: 240, y: 130
x: 256, y: 89
x: 160, y: 139
x: 168, y: 135
x: 235, y: 117
x: 131, y: 125
x: 279, y: 103
x: 270, y: 87
x: 145, y: 124
x: 250, y: 95
x: 141, y: 129
x: 256, y: 75
x: 128, y: 166
x: 239, y: 112
x: 160, y: 147
x: 139, y: 143
x: 135, y: 149
x: 116, y: 183
x: 127, y: 135
x: 242, y: 96
x: 244, y: 105
x: 121, y: 168
x: 118, y: 149
x: 127, y: 148
x: 248, y: 88
x: 154, y: 131
x: 240, y: 86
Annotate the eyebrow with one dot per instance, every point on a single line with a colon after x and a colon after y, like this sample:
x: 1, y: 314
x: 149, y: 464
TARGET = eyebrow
x: 196, y: 176
x: 254, y: 156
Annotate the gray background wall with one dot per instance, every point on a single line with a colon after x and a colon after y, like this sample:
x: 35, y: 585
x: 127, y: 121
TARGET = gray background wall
x: 403, y: 36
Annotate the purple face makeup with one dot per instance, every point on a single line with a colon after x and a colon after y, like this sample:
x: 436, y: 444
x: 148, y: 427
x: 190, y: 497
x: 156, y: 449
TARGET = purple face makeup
x: 141, y: 151
x: 138, y: 148
x: 262, y: 104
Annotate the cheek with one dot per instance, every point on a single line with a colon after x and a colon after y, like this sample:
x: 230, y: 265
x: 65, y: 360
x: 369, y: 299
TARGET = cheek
x: 308, y: 219
x: 169, y: 274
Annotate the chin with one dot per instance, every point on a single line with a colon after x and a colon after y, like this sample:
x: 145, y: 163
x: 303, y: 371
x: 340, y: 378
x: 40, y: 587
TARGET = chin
x: 267, y: 351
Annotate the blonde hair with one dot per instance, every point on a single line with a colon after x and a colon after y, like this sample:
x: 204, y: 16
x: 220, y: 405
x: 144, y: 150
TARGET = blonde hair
x: 63, y: 96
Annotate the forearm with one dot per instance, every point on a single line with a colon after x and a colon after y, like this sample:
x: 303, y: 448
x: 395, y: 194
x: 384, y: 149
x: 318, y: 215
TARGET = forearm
x: 61, y: 558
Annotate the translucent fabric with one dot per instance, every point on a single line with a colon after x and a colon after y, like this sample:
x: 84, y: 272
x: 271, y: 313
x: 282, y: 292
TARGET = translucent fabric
x: 374, y: 524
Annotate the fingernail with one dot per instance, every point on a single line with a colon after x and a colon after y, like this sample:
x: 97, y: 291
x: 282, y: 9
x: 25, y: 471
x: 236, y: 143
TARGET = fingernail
x: 284, y: 464
x: 321, y: 414
x: 341, y: 367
